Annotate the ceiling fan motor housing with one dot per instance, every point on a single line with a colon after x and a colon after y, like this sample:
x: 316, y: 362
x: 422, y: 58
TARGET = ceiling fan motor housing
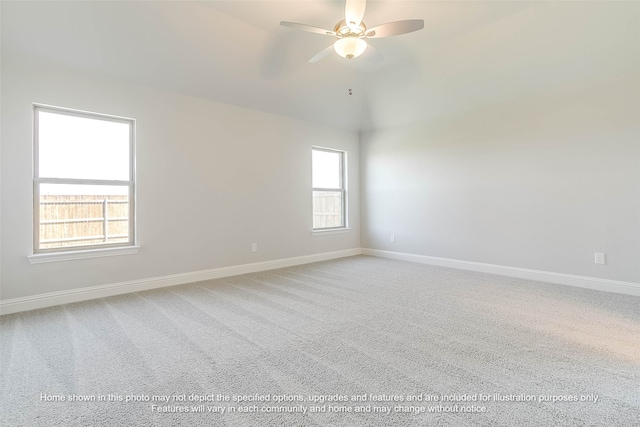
x: 342, y: 29
x: 350, y: 42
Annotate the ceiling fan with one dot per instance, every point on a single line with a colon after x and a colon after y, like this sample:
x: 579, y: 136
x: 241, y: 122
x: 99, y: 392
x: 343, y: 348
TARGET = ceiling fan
x: 351, y: 31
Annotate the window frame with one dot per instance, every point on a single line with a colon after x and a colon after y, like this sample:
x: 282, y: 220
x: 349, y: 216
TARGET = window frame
x: 108, y: 248
x: 342, y: 189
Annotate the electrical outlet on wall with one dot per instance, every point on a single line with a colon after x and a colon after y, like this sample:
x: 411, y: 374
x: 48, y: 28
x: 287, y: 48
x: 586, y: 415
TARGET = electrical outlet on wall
x: 393, y: 238
x: 600, y: 258
x: 254, y: 247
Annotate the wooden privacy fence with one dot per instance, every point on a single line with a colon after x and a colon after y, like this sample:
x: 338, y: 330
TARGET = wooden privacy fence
x: 83, y: 220
x: 73, y: 220
x: 327, y: 209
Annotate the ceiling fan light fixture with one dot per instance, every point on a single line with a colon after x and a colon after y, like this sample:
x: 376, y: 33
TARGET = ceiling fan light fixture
x: 351, y: 32
x: 350, y: 47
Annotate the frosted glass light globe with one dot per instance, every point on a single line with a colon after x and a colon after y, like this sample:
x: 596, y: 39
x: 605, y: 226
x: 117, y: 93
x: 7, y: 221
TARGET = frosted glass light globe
x: 350, y: 47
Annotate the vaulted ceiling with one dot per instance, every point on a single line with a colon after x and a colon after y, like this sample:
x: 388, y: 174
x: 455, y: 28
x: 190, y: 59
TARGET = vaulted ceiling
x: 468, y: 55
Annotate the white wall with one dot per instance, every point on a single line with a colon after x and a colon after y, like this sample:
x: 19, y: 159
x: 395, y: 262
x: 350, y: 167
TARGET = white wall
x: 541, y: 182
x: 211, y: 179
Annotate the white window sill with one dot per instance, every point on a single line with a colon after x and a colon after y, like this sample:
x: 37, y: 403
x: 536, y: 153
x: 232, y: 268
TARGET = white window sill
x: 72, y: 255
x: 330, y: 231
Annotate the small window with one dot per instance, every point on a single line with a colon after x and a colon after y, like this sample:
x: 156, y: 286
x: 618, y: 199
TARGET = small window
x: 329, y: 189
x: 83, y: 182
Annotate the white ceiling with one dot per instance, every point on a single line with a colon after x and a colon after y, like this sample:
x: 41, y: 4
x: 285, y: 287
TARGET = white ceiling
x: 469, y: 54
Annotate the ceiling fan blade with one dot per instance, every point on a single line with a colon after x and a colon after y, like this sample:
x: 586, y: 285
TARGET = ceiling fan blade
x: 322, y: 54
x: 354, y: 12
x: 308, y: 28
x: 372, y: 55
x: 395, y: 28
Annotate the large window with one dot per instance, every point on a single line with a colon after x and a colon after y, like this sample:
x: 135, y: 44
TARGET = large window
x: 329, y: 189
x: 83, y: 182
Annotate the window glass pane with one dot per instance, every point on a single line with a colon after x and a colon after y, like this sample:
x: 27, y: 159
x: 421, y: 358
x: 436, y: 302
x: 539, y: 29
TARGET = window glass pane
x: 327, y: 209
x: 326, y: 169
x: 81, y: 147
x: 83, y: 215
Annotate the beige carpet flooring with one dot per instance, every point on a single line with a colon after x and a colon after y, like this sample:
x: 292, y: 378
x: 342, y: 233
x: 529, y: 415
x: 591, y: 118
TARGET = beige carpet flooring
x: 359, y: 341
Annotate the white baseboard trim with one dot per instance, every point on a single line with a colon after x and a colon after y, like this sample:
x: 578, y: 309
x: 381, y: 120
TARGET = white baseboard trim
x: 16, y: 305
x: 606, y: 285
